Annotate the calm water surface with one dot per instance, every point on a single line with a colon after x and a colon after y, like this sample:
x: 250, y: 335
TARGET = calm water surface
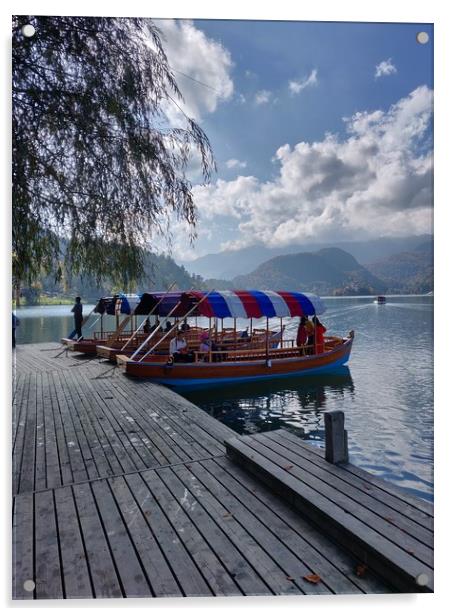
x: 386, y: 391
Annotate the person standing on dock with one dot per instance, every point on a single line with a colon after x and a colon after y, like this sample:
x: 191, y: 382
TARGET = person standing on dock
x: 78, y: 318
x: 16, y: 323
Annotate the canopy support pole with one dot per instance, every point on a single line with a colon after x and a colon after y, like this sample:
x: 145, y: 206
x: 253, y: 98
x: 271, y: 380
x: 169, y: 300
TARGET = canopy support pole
x: 266, y: 343
x: 147, y: 316
x: 235, y: 334
x: 282, y: 330
x: 174, y: 326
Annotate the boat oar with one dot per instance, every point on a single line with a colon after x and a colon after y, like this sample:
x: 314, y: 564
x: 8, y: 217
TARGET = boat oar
x: 152, y: 334
x: 175, y: 326
x: 147, y: 317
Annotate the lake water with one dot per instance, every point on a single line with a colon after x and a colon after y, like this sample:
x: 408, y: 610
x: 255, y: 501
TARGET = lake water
x: 386, y: 391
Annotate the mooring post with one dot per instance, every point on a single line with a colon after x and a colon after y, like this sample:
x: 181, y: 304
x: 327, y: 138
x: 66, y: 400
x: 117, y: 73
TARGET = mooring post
x: 336, y: 445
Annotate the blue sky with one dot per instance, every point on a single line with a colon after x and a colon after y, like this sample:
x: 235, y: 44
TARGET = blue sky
x: 270, y: 86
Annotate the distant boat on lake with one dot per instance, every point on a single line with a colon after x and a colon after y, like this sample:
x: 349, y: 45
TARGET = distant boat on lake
x: 380, y: 299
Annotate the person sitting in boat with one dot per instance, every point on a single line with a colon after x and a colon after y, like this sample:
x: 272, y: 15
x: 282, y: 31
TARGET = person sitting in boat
x: 204, y: 346
x: 179, y: 349
x: 302, y: 335
x: 147, y: 326
x: 168, y: 326
x: 185, y: 326
x: 319, y: 330
x: 244, y: 335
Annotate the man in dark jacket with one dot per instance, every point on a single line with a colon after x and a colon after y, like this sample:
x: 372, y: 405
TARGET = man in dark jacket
x: 16, y: 323
x: 78, y: 317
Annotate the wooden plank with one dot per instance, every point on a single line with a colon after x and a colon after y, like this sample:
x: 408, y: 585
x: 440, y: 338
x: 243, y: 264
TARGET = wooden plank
x: 292, y: 567
x: 210, y: 426
x: 319, y: 541
x: 233, y: 574
x: 366, y: 515
x: 101, y: 404
x: 126, y: 458
x: 389, y: 560
x: 275, y: 578
x: 66, y: 474
x: 362, y: 497
x: 71, y: 437
x: 387, y: 487
x: 18, y: 444
x: 49, y: 583
x: 379, y: 489
x: 136, y: 514
x: 26, y: 480
x: 189, y: 442
x: 291, y: 531
x: 40, y: 462
x: 173, y: 448
x: 215, y: 575
x: 53, y: 465
x: 179, y: 559
x: 77, y: 582
x: 22, y: 547
x: 102, y: 568
x: 128, y: 564
x: 97, y: 432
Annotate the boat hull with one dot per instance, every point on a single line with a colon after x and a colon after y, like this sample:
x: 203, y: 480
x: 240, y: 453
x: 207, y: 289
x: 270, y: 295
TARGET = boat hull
x: 201, y: 375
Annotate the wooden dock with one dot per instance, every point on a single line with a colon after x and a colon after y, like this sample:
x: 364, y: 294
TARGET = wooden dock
x: 121, y: 488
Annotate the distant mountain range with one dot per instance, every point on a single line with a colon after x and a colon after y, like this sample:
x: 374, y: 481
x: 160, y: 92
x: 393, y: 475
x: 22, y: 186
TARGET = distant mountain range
x: 407, y: 272
x: 326, y: 271
x: 229, y: 264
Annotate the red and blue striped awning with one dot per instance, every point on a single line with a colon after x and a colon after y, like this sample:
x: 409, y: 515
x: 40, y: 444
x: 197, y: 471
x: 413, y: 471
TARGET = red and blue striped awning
x: 252, y: 304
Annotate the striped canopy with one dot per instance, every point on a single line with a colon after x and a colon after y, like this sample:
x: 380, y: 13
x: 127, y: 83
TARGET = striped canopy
x: 118, y: 304
x: 252, y: 304
x: 220, y: 304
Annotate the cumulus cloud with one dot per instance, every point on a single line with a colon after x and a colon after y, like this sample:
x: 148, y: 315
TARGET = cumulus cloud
x: 262, y: 97
x: 202, y: 69
x: 386, y: 67
x: 296, y: 87
x: 377, y: 181
x: 233, y: 163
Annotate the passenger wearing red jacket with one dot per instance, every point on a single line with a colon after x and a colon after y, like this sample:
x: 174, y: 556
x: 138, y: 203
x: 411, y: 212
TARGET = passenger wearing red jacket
x: 302, y: 333
x: 319, y: 330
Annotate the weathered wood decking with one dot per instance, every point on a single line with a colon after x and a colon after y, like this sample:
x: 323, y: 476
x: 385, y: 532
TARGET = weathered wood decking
x: 123, y: 489
x: 385, y: 529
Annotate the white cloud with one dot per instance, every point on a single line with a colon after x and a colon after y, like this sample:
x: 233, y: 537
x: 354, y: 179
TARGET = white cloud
x: 375, y: 182
x: 386, y: 67
x: 233, y: 163
x: 297, y: 86
x: 262, y: 97
x: 201, y: 66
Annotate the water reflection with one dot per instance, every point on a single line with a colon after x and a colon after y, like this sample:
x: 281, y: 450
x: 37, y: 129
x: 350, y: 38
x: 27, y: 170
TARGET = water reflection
x: 296, y: 404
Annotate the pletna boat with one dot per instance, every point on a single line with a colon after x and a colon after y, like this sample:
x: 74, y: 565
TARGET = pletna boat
x: 276, y: 356
x: 170, y: 306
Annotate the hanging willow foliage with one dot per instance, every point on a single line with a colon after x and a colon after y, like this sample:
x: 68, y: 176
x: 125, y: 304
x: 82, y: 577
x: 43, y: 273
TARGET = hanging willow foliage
x: 97, y: 172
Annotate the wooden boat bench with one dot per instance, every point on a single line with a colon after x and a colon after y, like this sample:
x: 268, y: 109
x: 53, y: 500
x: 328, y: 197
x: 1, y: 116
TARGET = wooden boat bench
x: 385, y: 529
